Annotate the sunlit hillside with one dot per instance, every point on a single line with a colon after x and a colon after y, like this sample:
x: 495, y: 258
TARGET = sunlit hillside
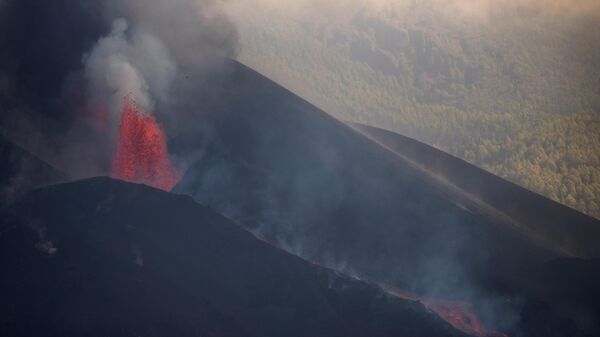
x: 512, y: 88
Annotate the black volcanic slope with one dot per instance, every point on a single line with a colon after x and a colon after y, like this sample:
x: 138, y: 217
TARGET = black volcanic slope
x: 567, y: 227
x: 107, y: 258
x: 20, y: 171
x: 332, y: 194
x: 278, y: 164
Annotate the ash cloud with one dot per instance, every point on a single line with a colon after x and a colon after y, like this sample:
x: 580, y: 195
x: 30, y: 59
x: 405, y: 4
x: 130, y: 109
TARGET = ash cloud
x: 153, y: 46
x: 64, y: 67
x: 138, y: 65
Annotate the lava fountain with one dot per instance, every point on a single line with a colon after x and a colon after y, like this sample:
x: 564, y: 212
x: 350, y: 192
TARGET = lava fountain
x: 141, y: 155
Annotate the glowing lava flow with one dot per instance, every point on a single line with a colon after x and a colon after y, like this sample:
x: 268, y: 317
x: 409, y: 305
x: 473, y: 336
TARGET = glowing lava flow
x: 142, y: 154
x: 459, y: 314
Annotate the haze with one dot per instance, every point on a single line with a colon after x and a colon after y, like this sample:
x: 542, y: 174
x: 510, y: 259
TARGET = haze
x: 510, y: 86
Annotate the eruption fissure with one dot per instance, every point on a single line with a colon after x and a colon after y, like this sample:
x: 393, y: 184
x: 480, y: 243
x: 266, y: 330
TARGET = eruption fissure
x: 458, y: 313
x: 141, y: 155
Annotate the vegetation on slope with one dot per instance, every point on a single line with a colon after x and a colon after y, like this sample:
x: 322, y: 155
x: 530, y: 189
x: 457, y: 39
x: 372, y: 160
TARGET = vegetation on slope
x: 514, y: 91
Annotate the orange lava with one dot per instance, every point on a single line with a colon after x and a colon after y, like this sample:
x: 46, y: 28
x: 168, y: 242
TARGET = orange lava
x: 459, y: 314
x: 141, y: 155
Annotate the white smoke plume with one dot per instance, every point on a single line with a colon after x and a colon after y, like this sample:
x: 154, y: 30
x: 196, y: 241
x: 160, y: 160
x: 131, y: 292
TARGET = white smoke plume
x: 129, y: 63
x: 151, y: 45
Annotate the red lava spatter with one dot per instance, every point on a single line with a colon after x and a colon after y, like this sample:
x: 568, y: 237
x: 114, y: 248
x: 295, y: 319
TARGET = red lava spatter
x: 459, y: 314
x: 142, y: 155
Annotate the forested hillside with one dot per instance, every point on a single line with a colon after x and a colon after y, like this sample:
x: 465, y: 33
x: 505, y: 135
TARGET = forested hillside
x: 512, y: 88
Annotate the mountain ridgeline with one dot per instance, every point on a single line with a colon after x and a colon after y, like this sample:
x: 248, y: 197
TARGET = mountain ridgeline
x: 103, y: 257
x: 508, y: 86
x: 313, y: 227
x: 386, y: 209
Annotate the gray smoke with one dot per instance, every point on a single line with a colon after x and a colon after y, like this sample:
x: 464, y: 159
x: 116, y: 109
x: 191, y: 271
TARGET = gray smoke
x: 65, y: 68
x: 154, y: 45
x: 119, y: 65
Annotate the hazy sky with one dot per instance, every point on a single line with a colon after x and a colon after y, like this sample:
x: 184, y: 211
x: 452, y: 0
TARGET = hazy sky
x: 470, y: 8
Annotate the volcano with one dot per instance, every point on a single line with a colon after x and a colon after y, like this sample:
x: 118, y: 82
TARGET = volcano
x: 292, y: 223
x: 288, y: 222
